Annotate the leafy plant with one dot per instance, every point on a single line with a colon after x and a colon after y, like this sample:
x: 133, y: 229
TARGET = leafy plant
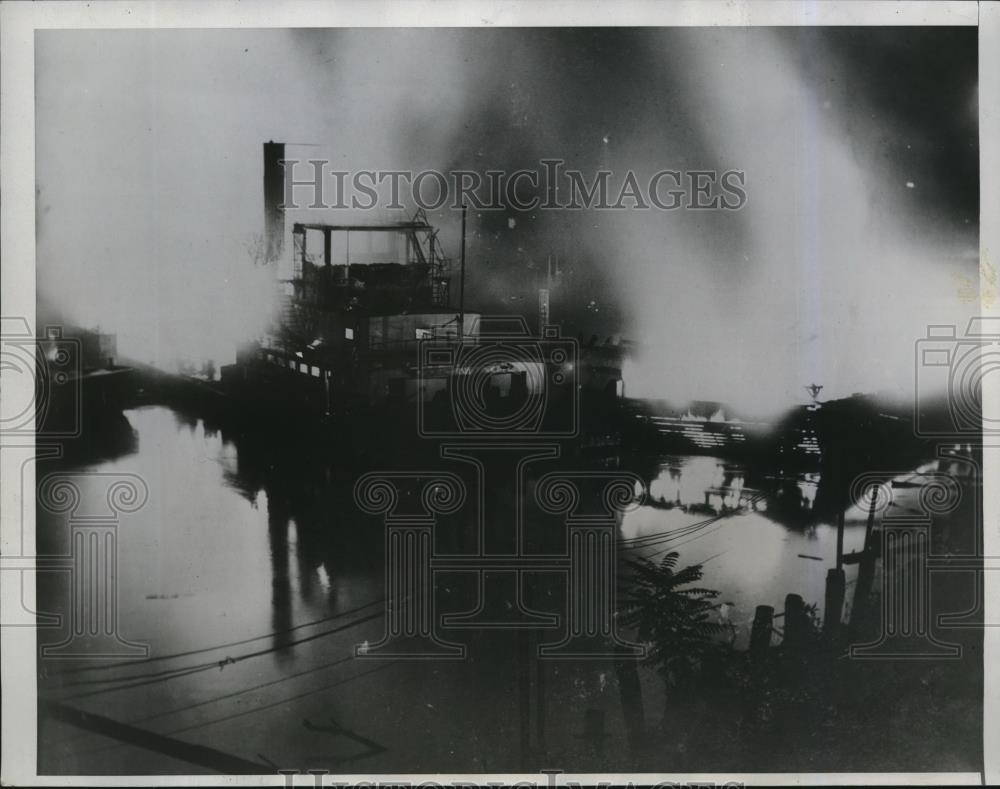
x: 674, y: 617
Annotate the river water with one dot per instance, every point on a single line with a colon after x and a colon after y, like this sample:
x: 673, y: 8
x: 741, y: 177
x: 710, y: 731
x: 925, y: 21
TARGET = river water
x: 239, y: 551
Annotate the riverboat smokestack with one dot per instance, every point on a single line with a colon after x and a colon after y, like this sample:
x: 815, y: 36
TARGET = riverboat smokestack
x: 274, y: 188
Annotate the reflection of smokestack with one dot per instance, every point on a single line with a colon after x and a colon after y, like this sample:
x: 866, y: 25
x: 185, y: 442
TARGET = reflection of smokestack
x: 274, y: 188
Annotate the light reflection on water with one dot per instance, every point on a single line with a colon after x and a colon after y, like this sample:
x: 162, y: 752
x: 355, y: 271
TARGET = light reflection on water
x: 748, y: 556
x: 242, y: 539
x: 204, y: 561
x: 218, y: 554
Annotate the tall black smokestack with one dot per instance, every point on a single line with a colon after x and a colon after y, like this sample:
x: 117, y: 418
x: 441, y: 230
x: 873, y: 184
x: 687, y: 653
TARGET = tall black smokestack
x: 274, y: 188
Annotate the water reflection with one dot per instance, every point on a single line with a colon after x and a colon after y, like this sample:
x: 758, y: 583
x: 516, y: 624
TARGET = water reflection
x: 758, y: 534
x: 249, y: 538
x: 238, y: 537
x: 278, y: 528
x: 712, y: 485
x: 262, y: 531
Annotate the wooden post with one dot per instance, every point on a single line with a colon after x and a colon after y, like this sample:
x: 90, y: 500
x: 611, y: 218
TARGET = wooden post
x: 840, y: 539
x: 760, y: 633
x: 834, y: 603
x: 836, y: 585
x: 870, y: 526
x: 796, y: 622
x: 866, y: 573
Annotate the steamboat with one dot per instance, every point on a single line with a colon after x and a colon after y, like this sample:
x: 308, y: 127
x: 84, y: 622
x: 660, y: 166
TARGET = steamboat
x: 370, y: 323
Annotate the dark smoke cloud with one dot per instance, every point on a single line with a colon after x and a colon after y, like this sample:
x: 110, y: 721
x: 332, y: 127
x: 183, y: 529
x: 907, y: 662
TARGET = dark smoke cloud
x: 149, y: 176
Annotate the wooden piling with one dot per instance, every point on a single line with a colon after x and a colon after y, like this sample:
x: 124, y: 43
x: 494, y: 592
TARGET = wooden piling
x: 866, y: 573
x: 760, y: 633
x: 833, y: 608
x: 840, y: 539
x: 796, y: 622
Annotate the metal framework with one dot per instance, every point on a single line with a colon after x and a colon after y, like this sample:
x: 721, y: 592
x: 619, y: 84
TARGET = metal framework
x: 423, y: 250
